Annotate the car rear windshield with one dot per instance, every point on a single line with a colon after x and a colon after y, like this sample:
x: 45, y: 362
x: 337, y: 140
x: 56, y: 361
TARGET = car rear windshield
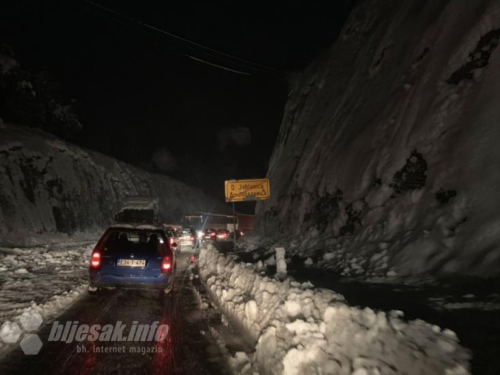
x: 137, y: 241
x: 186, y: 232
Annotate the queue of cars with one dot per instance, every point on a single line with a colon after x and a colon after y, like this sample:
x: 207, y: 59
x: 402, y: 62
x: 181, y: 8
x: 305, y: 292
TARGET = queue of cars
x: 138, y: 253
x: 220, y: 234
x: 189, y: 237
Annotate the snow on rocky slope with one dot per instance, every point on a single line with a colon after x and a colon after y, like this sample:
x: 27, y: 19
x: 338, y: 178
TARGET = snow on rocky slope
x: 50, y: 187
x: 388, y: 152
x: 301, y: 330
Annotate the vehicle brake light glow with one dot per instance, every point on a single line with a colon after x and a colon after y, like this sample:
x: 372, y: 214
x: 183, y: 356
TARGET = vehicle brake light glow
x: 166, y: 264
x: 95, y: 262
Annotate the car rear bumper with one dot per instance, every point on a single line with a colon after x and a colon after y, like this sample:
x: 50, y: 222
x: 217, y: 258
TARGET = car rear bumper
x: 129, y: 282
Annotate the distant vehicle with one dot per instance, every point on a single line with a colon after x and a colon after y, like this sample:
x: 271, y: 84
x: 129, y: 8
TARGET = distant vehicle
x: 187, y: 237
x: 172, y: 238
x: 192, y: 221
x: 222, y: 235
x: 210, y: 234
x: 239, y: 233
x: 133, y: 256
x: 139, y: 209
x: 202, y: 220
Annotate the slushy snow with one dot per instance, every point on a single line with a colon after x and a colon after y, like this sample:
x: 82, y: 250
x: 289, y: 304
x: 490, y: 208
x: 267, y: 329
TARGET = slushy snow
x: 39, y: 283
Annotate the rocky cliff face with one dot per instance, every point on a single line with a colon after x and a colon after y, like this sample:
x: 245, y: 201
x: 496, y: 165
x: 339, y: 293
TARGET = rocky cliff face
x: 389, y: 146
x: 49, y: 187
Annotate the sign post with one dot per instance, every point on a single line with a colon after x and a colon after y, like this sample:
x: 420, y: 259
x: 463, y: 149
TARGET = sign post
x: 245, y: 191
x: 234, y: 226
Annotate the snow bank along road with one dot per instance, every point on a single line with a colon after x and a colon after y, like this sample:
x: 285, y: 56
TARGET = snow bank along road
x: 44, y: 279
x: 54, y: 282
x: 298, y: 329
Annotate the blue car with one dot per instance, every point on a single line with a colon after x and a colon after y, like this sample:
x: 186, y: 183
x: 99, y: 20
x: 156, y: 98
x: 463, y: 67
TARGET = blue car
x: 133, y: 257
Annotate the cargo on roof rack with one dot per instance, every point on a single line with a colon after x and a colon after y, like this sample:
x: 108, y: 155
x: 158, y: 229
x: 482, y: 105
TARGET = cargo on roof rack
x: 139, y: 209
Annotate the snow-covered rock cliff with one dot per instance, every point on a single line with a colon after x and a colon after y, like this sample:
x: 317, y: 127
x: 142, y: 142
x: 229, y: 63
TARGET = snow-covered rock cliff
x: 388, y: 152
x: 49, y: 187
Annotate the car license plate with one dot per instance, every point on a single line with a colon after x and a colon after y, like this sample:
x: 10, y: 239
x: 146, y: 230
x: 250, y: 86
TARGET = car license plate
x: 131, y: 263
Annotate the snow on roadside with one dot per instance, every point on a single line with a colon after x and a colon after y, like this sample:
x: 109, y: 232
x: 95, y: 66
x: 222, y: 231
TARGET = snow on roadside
x: 298, y: 329
x: 38, y: 281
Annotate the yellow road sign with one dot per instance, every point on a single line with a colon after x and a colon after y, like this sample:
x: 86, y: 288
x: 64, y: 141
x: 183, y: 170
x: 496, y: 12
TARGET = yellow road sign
x: 247, y: 190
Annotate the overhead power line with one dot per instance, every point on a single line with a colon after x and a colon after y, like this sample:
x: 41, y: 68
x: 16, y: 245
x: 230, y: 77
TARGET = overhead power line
x: 218, y: 66
x: 222, y: 59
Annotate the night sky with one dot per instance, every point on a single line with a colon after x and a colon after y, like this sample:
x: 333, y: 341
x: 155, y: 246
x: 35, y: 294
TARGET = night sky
x: 137, y: 91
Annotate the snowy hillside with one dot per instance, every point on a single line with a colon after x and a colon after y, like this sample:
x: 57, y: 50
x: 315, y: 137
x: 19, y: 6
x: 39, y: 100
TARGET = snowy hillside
x: 49, y: 187
x: 388, y: 158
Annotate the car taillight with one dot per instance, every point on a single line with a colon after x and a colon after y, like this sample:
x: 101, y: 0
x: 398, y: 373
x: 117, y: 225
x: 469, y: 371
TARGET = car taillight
x: 95, y: 261
x: 192, y: 238
x: 166, y: 265
x: 171, y: 241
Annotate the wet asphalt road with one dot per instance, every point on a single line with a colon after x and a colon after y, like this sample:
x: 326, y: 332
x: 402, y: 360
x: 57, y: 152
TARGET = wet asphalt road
x: 187, y: 349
